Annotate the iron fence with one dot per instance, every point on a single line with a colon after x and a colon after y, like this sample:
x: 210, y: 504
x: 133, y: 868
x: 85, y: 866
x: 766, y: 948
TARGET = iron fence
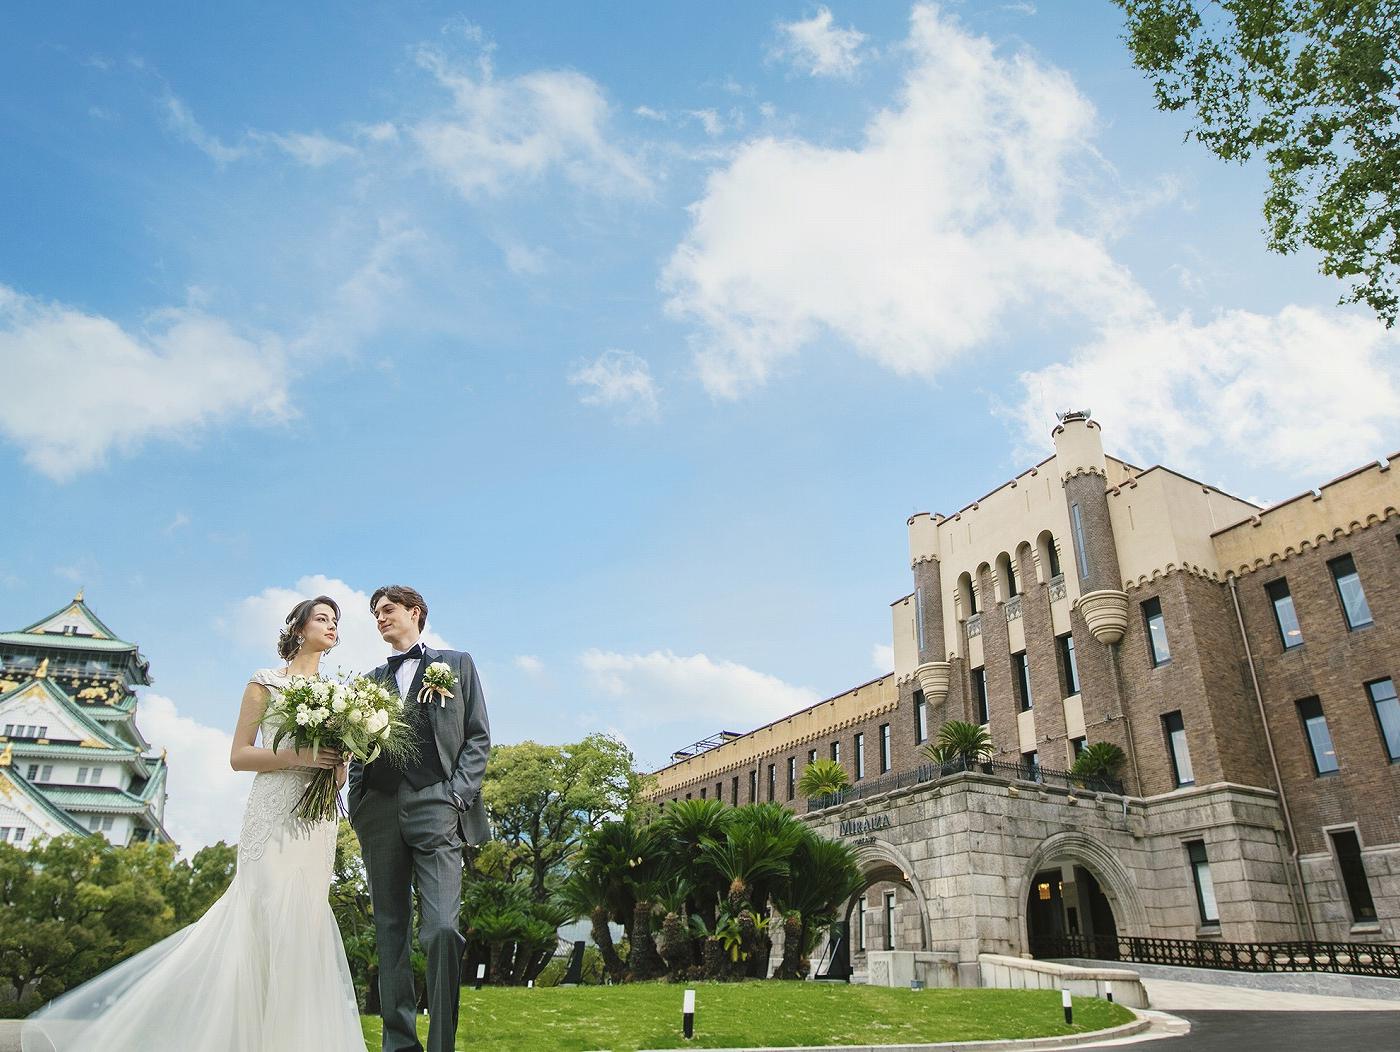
x: 1349, y: 958
x: 933, y: 772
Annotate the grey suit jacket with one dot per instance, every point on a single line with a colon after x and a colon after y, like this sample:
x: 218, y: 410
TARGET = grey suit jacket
x: 461, y: 735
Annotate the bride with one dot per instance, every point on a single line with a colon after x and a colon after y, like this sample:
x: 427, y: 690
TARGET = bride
x: 264, y: 969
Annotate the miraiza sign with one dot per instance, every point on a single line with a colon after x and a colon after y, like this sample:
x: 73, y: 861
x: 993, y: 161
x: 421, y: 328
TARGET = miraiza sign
x: 861, y: 826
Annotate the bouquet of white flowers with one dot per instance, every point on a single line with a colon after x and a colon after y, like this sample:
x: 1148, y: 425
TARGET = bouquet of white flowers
x: 358, y: 716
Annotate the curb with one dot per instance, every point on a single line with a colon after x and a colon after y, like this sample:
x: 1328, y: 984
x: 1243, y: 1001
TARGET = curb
x: 1024, y: 1044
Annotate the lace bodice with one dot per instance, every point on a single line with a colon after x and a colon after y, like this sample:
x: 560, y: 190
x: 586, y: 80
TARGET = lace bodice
x: 274, y: 793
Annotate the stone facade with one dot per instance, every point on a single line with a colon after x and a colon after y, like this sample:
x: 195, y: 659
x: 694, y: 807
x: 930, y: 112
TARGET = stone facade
x: 1087, y: 547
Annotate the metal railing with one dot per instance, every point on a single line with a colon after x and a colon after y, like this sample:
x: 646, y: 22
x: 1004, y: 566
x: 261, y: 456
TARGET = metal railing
x: 1349, y: 958
x: 933, y: 772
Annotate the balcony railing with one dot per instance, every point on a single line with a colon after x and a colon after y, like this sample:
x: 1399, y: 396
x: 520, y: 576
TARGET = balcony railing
x: 1350, y: 958
x: 934, y: 772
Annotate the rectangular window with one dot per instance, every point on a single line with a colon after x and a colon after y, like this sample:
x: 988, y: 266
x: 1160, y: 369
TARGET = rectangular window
x: 19, y: 834
x: 772, y: 782
x: 1077, y: 746
x: 9, y: 730
x: 1205, y: 886
x: 1285, y: 616
x: 1324, y: 756
x: 1180, y: 752
x: 1382, y: 693
x: 1021, y: 674
x: 836, y: 751
x: 1156, y: 631
x: 753, y: 787
x: 44, y: 731
x: 82, y: 775
x: 884, y: 747
x: 1077, y: 522
x: 107, y: 823
x: 95, y: 823
x: 1348, y: 849
x: 979, y: 695
x: 811, y: 757
x: 860, y: 756
x: 1069, y: 669
x: 687, y: 796
x: 4, y: 834
x: 920, y: 718
x: 719, y: 791
x: 860, y: 924
x: 734, y: 786
x: 703, y: 791
x: 46, y: 773
x: 919, y: 617
x: 96, y: 776
x: 1030, y: 765
x: 1350, y: 592
x: 889, y: 920
x: 792, y: 777
x: 1054, y: 553
x: 33, y: 772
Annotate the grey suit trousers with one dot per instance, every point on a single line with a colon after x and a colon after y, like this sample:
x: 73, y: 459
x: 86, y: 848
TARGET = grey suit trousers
x: 412, y: 838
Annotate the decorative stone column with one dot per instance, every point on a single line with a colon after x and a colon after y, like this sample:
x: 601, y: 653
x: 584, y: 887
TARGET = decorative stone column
x: 934, y: 671
x: 1092, y: 549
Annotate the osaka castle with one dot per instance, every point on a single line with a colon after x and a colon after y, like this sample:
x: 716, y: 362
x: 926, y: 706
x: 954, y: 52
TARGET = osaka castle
x: 72, y: 759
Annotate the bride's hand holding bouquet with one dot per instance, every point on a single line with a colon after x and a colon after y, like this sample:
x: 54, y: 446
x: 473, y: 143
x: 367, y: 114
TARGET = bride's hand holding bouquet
x: 326, y: 721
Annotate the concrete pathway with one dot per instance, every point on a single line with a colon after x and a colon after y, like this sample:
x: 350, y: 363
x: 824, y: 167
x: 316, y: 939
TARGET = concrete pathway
x: 1168, y: 995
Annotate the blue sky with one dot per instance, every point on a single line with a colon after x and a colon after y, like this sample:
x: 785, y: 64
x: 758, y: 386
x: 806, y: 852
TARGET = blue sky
x: 631, y: 335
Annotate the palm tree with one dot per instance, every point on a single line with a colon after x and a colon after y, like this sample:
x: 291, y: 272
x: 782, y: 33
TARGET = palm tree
x: 1099, y: 763
x: 587, y: 892
x: 822, y: 778
x: 824, y: 877
x: 960, y: 743
x: 683, y: 829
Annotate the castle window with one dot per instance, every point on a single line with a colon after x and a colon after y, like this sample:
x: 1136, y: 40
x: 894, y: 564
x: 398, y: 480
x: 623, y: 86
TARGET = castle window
x: 1069, y: 667
x: 33, y: 772
x: 1324, y: 756
x: 95, y: 776
x: 703, y: 790
x: 792, y: 777
x: 860, y: 924
x: 82, y: 775
x: 1177, y: 748
x: 860, y: 756
x: 979, y: 694
x: 1156, y: 624
x: 1030, y: 765
x: 753, y: 786
x: 1285, y: 616
x: 772, y: 782
x: 1021, y: 673
x: 836, y: 752
x: 1205, y: 886
x: 889, y: 920
x: 735, y: 786
x: 1080, y: 550
x: 920, y: 718
x: 1350, y: 592
x: 1052, y: 554
x: 884, y: 747
x: 1353, y: 872
x: 1387, y: 707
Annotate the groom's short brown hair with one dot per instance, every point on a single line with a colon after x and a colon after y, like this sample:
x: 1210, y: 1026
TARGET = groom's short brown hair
x: 404, y: 596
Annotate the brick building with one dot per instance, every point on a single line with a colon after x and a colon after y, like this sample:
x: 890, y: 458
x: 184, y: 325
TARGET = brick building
x: 1244, y: 659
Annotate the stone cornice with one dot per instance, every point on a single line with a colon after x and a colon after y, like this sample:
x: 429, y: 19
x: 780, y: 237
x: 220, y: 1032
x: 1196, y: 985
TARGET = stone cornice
x: 1309, y: 543
x: 1204, y: 573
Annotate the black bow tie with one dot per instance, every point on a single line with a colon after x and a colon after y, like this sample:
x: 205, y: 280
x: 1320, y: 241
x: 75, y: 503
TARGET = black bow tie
x: 413, y: 653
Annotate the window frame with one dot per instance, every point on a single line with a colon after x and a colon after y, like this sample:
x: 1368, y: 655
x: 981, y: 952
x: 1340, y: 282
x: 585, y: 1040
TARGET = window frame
x: 1393, y: 755
x: 1332, y: 565
x: 1196, y: 866
x: 1171, y: 740
x: 792, y: 778
x: 1271, y: 589
x: 1314, y: 722
x: 1021, y: 680
x: 772, y: 782
x: 920, y: 717
x: 836, y: 751
x: 1069, y: 664
x: 1080, y: 547
x: 859, y: 754
x: 1158, y: 660
x: 1347, y: 874
x: 890, y: 904
x: 886, y: 750
x: 979, y: 695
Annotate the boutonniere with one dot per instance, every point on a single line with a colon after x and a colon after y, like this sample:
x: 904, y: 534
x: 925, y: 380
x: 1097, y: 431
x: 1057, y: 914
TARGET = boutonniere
x: 437, y: 680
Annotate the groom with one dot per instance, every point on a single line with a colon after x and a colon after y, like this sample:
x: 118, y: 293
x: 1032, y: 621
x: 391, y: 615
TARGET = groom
x: 413, y: 819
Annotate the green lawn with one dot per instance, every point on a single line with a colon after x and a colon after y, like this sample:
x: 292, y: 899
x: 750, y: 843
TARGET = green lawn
x: 648, y: 1015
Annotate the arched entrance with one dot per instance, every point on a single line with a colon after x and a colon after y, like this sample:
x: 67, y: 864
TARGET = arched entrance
x: 1078, y: 900
x: 889, y: 912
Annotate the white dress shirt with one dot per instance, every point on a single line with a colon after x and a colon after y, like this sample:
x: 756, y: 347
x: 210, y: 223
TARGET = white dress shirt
x: 406, y: 672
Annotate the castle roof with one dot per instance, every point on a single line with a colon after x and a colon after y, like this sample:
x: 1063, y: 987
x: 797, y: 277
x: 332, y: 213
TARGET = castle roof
x: 13, y: 783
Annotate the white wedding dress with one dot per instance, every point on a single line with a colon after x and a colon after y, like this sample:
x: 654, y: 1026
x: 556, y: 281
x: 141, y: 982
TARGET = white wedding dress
x: 263, y: 970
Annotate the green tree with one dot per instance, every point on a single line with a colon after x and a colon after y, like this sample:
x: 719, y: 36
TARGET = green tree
x: 960, y: 743
x: 1312, y: 86
x: 824, y: 877
x: 822, y: 778
x: 544, y: 799
x: 1098, y: 762
x: 196, y: 884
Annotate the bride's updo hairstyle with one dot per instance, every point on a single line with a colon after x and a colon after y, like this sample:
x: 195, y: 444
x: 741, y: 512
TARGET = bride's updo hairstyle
x: 289, y: 642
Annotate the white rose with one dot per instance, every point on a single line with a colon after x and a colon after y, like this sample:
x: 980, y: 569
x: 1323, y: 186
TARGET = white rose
x: 338, y: 705
x: 355, y: 716
x: 321, y: 691
x: 378, y: 720
x: 303, y: 715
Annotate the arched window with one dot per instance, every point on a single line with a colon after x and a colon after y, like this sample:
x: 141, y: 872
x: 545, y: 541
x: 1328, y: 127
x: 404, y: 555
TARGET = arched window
x: 1049, y: 553
x: 967, y: 596
x: 1006, y: 576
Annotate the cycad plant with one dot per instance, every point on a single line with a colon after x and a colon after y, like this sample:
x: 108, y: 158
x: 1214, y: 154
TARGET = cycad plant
x: 822, y: 778
x: 960, y: 744
x: 824, y: 877
x: 1100, y: 762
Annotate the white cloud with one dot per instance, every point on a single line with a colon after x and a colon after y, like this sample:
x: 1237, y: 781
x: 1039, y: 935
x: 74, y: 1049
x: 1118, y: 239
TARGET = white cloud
x: 181, y: 120
x: 662, y: 687
x: 524, y: 261
x: 950, y: 216
x: 258, y: 619
x: 529, y: 664
x: 1301, y: 391
x: 205, y: 796
x: 501, y: 131
x: 309, y: 148
x: 620, y: 381
x: 819, y: 47
x: 180, y: 521
x: 90, y: 387
x: 882, y: 657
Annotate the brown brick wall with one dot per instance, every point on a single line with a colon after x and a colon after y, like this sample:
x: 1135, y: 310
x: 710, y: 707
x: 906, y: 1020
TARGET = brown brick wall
x: 1088, y: 492
x: 1333, y: 664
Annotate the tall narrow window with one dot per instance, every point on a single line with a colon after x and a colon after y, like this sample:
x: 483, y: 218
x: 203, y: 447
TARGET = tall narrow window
x: 719, y: 791
x: 811, y: 757
x: 1180, y: 752
x: 33, y: 772
x: 703, y: 790
x: 1012, y: 587
x: 1348, y: 849
x: 1021, y: 673
x: 1054, y: 554
x: 1324, y: 756
x: 884, y: 747
x: 96, y: 776
x: 1387, y: 707
x: 734, y: 785
x: 792, y: 777
x: 860, y: 756
x: 919, y: 617
x: 1030, y: 765
x: 1285, y: 616
x: 82, y: 775
x: 1069, y: 668
x: 979, y: 695
x: 920, y: 718
x: 772, y: 782
x: 1349, y: 590
x: 860, y: 924
x: 1077, y: 746
x: 1077, y: 521
x: 1205, y: 886
x: 1156, y: 631
x: 836, y: 751
x: 889, y: 920
x: 753, y: 786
